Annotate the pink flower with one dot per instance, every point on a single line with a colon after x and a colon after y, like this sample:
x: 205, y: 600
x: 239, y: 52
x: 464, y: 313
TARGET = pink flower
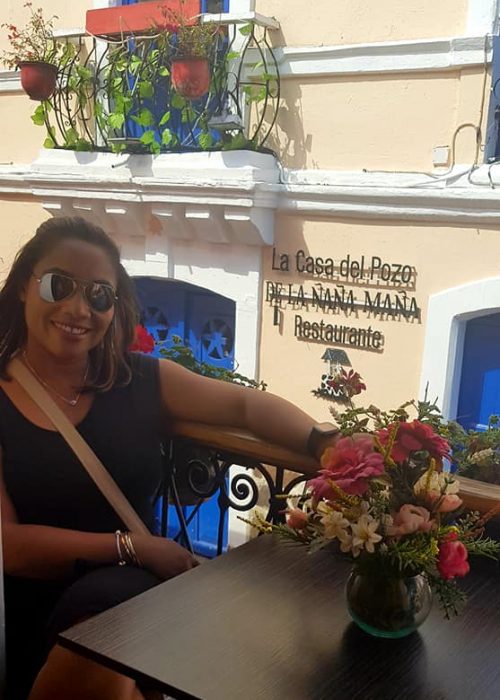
x: 350, y: 464
x: 296, y: 518
x: 410, y: 519
x: 143, y: 341
x: 452, y: 558
x: 449, y: 503
x: 413, y: 437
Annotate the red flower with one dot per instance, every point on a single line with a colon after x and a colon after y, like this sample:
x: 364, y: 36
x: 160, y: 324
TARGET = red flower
x: 350, y: 384
x: 143, y: 341
x: 296, y: 518
x: 452, y: 558
x: 350, y: 464
x: 413, y: 437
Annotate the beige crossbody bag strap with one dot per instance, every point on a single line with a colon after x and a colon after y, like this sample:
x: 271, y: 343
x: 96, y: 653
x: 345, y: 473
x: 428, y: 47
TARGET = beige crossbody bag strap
x: 82, y: 450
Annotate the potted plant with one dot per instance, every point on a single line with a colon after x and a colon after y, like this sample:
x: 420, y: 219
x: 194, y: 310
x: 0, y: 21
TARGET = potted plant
x: 34, y: 51
x: 476, y: 453
x: 191, y: 45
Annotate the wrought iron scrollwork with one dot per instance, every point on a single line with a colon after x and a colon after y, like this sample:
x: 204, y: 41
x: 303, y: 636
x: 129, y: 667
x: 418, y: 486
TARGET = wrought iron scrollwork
x: 117, y: 95
x: 194, y: 474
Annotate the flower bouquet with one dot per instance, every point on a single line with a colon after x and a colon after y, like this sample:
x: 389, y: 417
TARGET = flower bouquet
x: 383, y: 499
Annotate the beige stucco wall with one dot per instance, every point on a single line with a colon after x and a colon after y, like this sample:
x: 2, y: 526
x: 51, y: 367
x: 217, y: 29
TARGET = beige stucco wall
x: 21, y: 139
x: 20, y: 218
x: 70, y: 15
x: 331, y: 22
x: 380, y: 121
x: 443, y: 257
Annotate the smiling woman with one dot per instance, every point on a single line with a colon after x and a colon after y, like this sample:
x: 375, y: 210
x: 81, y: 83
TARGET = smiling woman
x: 68, y: 311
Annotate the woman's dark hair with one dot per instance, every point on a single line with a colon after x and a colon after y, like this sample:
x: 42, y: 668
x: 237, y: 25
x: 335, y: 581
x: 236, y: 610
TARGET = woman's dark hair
x: 109, y: 363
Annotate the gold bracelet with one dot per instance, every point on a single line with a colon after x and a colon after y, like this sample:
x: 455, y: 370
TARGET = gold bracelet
x: 121, y: 560
x: 129, y: 549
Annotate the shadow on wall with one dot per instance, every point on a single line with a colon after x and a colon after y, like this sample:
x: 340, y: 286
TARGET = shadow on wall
x: 287, y: 138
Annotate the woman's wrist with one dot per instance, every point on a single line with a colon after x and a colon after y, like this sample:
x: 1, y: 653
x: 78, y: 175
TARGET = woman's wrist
x: 125, y: 549
x: 322, y: 435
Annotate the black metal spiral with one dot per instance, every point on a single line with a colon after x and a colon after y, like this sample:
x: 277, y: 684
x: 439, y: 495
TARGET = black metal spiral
x: 118, y: 96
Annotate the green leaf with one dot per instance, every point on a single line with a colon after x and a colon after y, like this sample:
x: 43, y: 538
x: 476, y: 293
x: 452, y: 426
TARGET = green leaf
x: 48, y: 143
x: 83, y: 145
x: 231, y: 55
x: 166, y: 137
x: 145, y: 89
x: 84, y: 73
x: 164, y: 72
x: 148, y: 138
x: 245, y: 30
x: 165, y: 118
x: 135, y: 64
x: 70, y: 137
x: 238, y: 141
x: 205, y: 140
x: 38, y: 116
x: 144, y: 118
x: 120, y: 65
x: 116, y: 120
x: 177, y: 101
x: 118, y: 147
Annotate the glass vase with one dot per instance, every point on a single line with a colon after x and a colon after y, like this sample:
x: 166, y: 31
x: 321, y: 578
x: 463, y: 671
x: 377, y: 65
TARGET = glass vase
x: 388, y: 605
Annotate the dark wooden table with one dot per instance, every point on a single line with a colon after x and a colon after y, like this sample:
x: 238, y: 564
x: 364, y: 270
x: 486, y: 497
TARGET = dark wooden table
x: 268, y: 621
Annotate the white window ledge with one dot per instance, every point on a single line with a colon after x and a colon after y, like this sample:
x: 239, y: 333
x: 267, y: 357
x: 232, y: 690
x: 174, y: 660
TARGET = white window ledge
x: 217, y: 197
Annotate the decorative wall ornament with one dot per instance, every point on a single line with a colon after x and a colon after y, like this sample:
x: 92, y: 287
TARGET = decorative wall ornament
x: 338, y: 384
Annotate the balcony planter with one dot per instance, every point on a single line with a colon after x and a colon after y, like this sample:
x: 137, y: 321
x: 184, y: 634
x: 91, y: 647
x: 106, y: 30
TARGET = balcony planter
x: 191, y: 76
x: 143, y: 17
x: 38, y: 79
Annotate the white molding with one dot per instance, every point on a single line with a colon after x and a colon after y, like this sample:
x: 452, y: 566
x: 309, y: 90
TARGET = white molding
x: 481, y: 17
x: 447, y: 314
x: 217, y: 197
x: 424, y: 55
x: 10, y: 81
x: 232, y: 197
x: 456, y: 197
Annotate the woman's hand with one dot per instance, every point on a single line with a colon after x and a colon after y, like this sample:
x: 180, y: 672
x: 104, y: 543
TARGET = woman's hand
x: 162, y: 557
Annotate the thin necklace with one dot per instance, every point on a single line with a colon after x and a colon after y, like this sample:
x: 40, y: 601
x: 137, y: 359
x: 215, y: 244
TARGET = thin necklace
x: 71, y: 402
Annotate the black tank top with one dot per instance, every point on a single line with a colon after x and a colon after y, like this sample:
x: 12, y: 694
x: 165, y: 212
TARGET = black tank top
x: 47, y: 483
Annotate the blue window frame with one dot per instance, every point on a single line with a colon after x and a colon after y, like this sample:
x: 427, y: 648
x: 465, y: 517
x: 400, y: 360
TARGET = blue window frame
x: 492, y: 140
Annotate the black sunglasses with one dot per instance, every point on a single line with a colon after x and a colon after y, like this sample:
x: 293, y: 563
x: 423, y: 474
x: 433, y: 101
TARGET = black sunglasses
x: 55, y: 287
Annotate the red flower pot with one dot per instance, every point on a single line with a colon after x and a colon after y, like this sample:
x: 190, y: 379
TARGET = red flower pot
x: 141, y: 17
x: 38, y: 79
x: 190, y: 77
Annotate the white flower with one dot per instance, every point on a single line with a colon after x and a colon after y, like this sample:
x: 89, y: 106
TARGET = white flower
x: 481, y: 455
x: 439, y: 482
x: 364, y: 534
x: 333, y: 522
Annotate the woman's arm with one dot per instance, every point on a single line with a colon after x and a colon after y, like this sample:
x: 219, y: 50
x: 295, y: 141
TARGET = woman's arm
x: 38, y: 551
x: 191, y: 397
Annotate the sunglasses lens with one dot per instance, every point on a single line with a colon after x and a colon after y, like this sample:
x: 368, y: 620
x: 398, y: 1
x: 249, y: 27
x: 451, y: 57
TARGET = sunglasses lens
x: 54, y: 287
x: 101, y: 297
